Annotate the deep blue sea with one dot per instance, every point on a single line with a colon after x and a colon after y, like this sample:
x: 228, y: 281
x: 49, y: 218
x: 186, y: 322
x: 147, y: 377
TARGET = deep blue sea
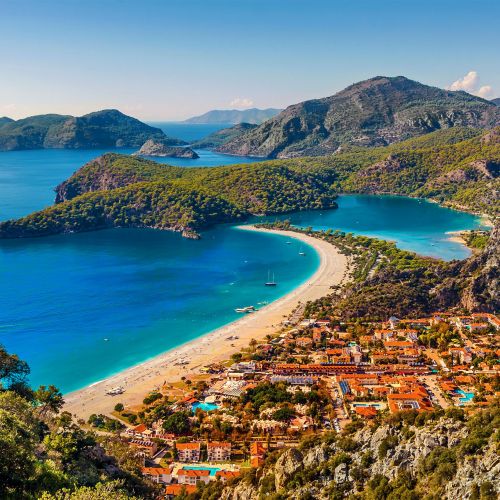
x: 84, y: 306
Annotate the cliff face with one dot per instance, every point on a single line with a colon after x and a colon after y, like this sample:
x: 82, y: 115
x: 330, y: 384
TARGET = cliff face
x: 474, y: 283
x: 374, y: 112
x: 404, y: 462
x: 161, y: 148
x: 107, y: 128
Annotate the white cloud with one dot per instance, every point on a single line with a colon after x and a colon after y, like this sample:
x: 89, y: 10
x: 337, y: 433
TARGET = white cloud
x: 470, y: 83
x: 241, y: 102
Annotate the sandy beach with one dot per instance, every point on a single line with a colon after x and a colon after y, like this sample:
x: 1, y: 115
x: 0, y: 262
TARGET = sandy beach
x: 214, y: 346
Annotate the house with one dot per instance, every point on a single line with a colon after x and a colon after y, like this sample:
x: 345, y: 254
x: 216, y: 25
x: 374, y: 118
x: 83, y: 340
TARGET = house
x: 258, y: 451
x: 174, y: 490
x: 145, y: 448
x: 226, y: 475
x: 391, y: 345
x: 218, y: 451
x: 366, y: 411
x: 384, y: 334
x: 158, y: 474
x: 464, y: 355
x: 300, y: 423
x: 409, y: 401
x: 303, y: 342
x: 188, y: 452
x: 193, y: 476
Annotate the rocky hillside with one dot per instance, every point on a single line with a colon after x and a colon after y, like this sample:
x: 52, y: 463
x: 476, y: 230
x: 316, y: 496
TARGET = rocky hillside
x: 102, y: 129
x: 159, y: 148
x: 408, y: 456
x: 375, y: 112
x: 225, y: 116
x: 221, y: 137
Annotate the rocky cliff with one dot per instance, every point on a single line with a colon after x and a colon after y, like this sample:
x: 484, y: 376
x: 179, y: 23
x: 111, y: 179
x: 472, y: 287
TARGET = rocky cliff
x: 374, y: 112
x: 442, y: 458
x: 153, y: 147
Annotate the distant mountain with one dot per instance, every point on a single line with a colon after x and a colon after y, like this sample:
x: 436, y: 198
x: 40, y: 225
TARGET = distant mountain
x: 161, y: 148
x: 101, y: 129
x: 375, y: 112
x: 4, y: 120
x: 496, y: 101
x: 222, y: 136
x: 253, y: 115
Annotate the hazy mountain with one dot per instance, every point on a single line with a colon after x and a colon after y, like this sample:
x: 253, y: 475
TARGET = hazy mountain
x: 253, y: 115
x: 375, y: 112
x: 4, y: 120
x: 496, y: 101
x: 101, y: 129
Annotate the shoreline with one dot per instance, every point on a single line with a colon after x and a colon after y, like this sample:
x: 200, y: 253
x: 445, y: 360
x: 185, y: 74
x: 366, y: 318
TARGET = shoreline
x: 211, y: 347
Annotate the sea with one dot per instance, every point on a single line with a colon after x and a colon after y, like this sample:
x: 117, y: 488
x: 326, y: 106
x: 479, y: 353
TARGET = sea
x: 81, y: 307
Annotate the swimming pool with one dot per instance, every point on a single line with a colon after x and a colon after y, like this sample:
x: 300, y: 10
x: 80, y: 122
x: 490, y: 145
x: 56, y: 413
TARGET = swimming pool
x: 213, y: 470
x: 204, y: 406
x: 466, y: 397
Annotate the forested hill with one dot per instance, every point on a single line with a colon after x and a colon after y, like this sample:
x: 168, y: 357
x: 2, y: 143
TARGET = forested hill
x: 101, y: 129
x: 374, y: 112
x: 459, y: 167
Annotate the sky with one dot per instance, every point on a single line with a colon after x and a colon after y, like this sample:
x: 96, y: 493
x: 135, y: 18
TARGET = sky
x: 172, y: 59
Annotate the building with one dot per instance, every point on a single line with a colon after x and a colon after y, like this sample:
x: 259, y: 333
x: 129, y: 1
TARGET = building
x: 410, y: 401
x: 193, y: 476
x: 145, y: 448
x: 188, y: 452
x: 258, y: 451
x: 218, y: 451
x: 226, y: 475
x: 174, y: 490
x: 158, y: 474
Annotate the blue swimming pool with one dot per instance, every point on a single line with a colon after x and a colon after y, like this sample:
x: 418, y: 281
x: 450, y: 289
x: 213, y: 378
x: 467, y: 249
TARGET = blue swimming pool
x: 204, y: 406
x: 213, y: 470
x: 466, y: 397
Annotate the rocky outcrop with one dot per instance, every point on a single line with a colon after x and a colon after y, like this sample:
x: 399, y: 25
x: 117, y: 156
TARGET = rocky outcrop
x: 374, y: 112
x: 286, y: 466
x: 154, y: 147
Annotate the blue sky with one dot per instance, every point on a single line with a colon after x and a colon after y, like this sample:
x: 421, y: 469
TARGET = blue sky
x: 171, y: 59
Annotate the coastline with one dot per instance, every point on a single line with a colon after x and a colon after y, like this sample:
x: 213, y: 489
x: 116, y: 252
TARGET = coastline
x: 213, y: 346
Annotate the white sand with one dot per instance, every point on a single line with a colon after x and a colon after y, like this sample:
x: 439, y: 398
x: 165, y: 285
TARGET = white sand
x: 212, y: 347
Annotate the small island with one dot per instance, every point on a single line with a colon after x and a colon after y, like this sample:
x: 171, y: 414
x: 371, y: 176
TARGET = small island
x: 154, y: 147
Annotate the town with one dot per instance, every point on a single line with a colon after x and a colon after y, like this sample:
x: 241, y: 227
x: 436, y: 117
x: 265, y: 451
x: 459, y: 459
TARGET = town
x: 315, y: 376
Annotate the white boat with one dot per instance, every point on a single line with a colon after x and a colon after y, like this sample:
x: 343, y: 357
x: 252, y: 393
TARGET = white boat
x: 301, y: 252
x: 247, y: 309
x: 270, y: 282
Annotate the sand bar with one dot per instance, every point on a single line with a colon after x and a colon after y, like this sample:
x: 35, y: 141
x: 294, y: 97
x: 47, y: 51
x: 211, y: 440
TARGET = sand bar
x: 212, y: 347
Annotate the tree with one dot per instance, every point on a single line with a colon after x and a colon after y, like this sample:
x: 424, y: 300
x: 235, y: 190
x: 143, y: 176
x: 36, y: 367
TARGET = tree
x: 49, y: 399
x: 177, y: 423
x: 119, y: 407
x: 13, y: 371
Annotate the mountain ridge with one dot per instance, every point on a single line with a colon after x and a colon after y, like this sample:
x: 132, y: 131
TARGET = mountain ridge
x: 374, y: 112
x: 234, y: 116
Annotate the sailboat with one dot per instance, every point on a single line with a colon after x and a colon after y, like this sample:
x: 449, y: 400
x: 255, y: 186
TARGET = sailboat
x: 270, y: 282
x: 301, y: 252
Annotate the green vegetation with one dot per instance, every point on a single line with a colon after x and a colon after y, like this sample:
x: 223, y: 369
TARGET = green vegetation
x: 45, y: 455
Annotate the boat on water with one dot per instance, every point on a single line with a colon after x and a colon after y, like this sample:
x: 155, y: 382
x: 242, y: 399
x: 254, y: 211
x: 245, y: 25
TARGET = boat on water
x: 247, y: 309
x: 301, y: 252
x: 270, y: 282
x: 115, y: 391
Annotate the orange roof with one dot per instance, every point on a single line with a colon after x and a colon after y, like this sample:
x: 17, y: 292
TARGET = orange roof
x: 177, y: 489
x: 257, y: 448
x: 193, y: 472
x: 227, y: 474
x: 139, y: 428
x: 217, y: 444
x: 256, y: 461
x: 156, y: 471
x: 398, y: 343
x: 187, y: 446
x: 366, y: 411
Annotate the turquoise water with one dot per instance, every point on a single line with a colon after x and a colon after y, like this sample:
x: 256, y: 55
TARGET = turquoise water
x: 204, y: 406
x: 213, y: 470
x: 467, y: 397
x: 415, y: 225
x: 81, y: 307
